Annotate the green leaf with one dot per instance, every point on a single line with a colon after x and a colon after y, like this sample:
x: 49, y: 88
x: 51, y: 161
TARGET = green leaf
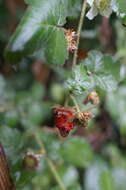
x: 40, y: 32
x: 116, y: 104
x: 56, y: 51
x: 65, y: 171
x: 119, y: 176
x: 57, y: 92
x: 75, y: 186
x: 124, y: 21
x: 121, y: 6
x: 116, y: 157
x: 11, y: 140
x: 105, y: 71
x: 71, y: 4
x: 37, y: 91
x: 99, y: 177
x: 53, y: 145
x: 79, y: 81
x: 77, y: 152
x: 33, y: 2
x: 96, y: 71
x: 35, y: 113
x: 25, y: 177
x: 106, y: 180
x: 11, y: 118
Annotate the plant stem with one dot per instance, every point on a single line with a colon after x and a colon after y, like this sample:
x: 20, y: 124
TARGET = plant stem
x: 79, y: 30
x: 40, y: 143
x: 50, y: 163
x: 75, y: 102
x: 66, y: 100
x: 55, y: 173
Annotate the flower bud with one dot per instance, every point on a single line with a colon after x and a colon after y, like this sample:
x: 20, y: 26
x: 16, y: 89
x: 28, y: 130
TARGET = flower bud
x: 102, y: 4
x: 31, y: 160
x: 92, y: 98
x: 71, y: 38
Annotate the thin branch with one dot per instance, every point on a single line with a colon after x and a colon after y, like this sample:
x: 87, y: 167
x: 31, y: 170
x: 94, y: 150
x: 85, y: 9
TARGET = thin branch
x: 75, y: 103
x: 50, y: 163
x: 55, y: 173
x: 79, y: 30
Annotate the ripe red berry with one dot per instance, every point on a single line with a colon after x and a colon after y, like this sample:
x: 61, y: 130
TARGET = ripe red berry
x: 64, y: 119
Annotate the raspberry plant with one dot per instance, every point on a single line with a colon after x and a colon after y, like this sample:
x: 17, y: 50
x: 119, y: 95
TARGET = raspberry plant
x: 62, y: 96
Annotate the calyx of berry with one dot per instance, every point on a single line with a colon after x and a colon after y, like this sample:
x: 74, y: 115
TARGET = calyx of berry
x: 84, y: 117
x: 31, y: 160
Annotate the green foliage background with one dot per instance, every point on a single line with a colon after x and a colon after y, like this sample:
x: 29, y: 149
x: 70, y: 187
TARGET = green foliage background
x: 32, y: 81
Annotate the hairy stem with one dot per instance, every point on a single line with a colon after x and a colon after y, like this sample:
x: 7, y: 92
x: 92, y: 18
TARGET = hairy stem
x: 79, y: 31
x: 75, y: 103
x: 50, y: 163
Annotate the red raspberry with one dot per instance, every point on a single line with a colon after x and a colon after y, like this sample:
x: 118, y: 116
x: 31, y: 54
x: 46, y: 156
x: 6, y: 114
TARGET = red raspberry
x: 64, y: 119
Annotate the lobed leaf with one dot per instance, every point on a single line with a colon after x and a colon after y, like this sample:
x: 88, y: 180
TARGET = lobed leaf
x: 96, y: 71
x: 77, y: 151
x: 41, y: 29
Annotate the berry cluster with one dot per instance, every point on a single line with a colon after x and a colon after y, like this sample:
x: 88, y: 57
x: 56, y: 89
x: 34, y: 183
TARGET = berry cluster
x: 66, y: 118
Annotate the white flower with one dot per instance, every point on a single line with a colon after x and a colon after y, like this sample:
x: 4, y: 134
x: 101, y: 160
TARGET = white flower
x: 92, y: 12
x: 90, y: 2
x: 103, y: 7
